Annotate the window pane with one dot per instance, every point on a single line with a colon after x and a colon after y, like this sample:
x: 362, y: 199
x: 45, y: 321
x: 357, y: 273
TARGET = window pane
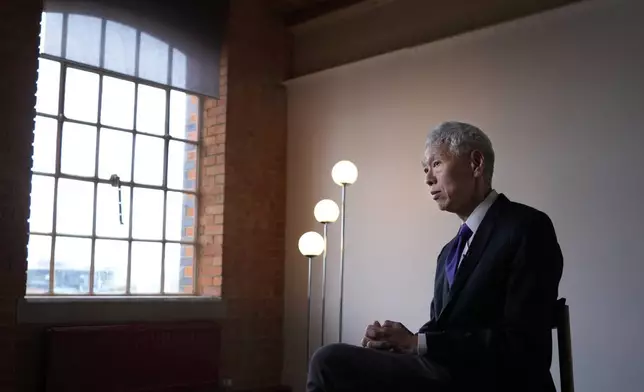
x: 38, y: 259
x: 48, y: 86
x: 179, y: 260
x: 182, y: 165
x: 148, y: 161
x: 75, y: 207
x: 108, y: 214
x: 117, y: 106
x: 45, y: 132
x: 146, y: 268
x: 41, y: 215
x: 84, y: 39
x: 81, y: 95
x: 51, y: 33
x: 110, y: 267
x: 115, y: 155
x: 72, y: 261
x: 147, y: 214
x: 120, y: 47
x: 78, y: 150
x: 179, y: 69
x: 180, y: 219
x: 150, y: 110
x: 184, y: 110
x: 153, y: 59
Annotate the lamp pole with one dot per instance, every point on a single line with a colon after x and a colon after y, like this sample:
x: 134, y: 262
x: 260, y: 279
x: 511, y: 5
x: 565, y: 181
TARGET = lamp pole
x: 308, y: 316
x: 342, y: 225
x: 311, y: 244
x: 326, y: 211
x: 325, y: 225
x: 343, y: 173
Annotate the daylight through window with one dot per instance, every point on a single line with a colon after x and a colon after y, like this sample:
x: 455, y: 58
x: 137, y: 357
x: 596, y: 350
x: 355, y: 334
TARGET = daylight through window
x: 114, y: 175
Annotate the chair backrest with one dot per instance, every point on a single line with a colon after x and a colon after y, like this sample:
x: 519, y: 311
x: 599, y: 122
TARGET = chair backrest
x: 562, y: 325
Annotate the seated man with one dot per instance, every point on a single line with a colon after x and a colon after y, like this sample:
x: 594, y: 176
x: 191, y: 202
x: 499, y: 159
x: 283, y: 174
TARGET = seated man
x: 495, y: 291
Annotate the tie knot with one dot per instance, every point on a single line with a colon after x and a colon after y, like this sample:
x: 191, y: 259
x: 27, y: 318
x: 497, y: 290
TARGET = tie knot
x: 465, y: 232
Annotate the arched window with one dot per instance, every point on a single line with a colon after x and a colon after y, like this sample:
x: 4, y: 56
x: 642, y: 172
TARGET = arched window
x: 114, y: 184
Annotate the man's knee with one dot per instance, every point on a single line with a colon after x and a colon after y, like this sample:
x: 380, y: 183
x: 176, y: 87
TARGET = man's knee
x: 329, y: 354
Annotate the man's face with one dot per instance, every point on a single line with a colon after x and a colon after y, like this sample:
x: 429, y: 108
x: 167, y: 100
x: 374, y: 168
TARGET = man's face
x: 450, y: 178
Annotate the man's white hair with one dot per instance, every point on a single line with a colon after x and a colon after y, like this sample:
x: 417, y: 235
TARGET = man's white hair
x: 462, y: 139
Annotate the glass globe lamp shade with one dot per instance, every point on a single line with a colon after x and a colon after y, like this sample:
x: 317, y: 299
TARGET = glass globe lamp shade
x: 344, y: 173
x: 311, y: 244
x: 326, y: 211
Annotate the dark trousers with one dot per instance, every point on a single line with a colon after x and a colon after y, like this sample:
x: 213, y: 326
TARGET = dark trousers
x: 346, y: 368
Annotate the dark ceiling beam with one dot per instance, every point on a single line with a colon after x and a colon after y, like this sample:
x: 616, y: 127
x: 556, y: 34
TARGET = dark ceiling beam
x: 316, y: 10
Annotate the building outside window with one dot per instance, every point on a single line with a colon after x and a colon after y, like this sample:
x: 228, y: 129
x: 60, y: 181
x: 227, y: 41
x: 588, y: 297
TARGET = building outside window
x: 114, y: 176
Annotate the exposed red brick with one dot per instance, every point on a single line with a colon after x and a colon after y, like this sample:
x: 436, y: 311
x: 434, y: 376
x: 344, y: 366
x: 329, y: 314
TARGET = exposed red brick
x: 212, y: 271
x: 215, y: 129
x: 214, y: 229
x: 214, y: 291
x: 215, y: 170
x: 210, y: 141
x: 214, y: 210
x: 212, y: 250
x: 215, y: 149
x: 209, y: 161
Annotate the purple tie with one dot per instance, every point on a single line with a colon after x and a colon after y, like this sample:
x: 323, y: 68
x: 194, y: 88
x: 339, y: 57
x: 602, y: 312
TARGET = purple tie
x: 464, y: 234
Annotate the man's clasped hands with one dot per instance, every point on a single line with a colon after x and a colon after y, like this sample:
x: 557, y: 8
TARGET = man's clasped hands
x: 390, y: 336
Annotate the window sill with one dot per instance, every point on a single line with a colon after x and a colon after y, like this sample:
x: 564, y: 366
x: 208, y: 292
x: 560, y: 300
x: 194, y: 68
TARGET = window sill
x: 110, y: 310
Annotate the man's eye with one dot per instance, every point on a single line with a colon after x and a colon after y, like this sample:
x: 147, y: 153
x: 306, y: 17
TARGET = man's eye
x: 425, y: 170
x: 435, y: 163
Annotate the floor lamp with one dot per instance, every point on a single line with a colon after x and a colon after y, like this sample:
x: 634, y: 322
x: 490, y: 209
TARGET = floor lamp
x: 325, y: 212
x: 344, y: 173
x: 311, y: 245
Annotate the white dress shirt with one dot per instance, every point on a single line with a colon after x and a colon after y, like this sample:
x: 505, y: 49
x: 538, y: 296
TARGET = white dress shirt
x: 473, y: 222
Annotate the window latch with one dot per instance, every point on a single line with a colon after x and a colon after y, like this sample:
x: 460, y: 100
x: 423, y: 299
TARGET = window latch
x: 115, y: 181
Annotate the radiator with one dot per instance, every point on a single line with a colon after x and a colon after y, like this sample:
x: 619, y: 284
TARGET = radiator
x: 158, y: 357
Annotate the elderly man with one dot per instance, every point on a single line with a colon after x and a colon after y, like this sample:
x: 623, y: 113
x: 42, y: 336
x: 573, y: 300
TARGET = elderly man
x: 495, y: 290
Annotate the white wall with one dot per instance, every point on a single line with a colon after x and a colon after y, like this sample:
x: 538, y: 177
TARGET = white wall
x: 561, y: 95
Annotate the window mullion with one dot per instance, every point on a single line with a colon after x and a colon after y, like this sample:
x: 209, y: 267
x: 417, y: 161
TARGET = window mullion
x: 101, y: 60
x: 98, y: 141
x: 59, y: 144
x: 196, y: 251
x: 137, y: 51
x: 63, y: 44
x: 165, y: 184
x: 129, y: 236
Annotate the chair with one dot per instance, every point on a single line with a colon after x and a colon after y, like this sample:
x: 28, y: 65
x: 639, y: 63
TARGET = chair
x: 562, y: 325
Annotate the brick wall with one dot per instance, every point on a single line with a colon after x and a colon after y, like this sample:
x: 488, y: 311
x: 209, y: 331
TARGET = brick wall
x: 243, y: 160
x: 255, y: 194
x: 211, y: 190
x: 19, y: 45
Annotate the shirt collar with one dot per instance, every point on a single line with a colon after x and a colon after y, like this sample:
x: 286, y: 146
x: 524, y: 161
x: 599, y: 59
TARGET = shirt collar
x: 476, y: 217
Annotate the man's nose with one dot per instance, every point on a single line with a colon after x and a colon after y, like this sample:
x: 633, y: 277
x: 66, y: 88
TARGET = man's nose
x: 430, y: 179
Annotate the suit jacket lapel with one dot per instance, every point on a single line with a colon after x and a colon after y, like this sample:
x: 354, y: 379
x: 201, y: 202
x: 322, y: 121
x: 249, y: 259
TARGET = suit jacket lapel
x: 475, y: 251
x: 440, y: 286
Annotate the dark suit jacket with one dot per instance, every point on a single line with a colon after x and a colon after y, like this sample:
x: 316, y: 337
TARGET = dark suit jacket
x: 492, y: 330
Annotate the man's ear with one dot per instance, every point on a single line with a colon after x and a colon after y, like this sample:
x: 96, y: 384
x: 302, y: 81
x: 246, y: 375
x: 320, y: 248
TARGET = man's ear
x: 477, y: 163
